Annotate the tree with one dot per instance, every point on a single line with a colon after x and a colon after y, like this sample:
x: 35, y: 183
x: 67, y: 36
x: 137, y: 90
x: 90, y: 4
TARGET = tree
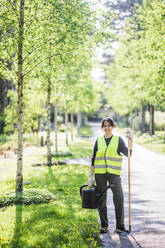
x: 36, y: 33
x: 135, y: 75
x: 19, y: 175
x: 14, y: 17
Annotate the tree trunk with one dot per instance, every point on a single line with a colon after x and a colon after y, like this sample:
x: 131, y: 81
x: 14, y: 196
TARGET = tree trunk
x: 49, y: 162
x: 38, y: 124
x: 55, y: 127
x: 4, y: 100
x: 19, y: 173
x: 71, y: 127
x: 143, y: 116
x: 151, y: 124
x: 79, y: 121
x: 66, y: 127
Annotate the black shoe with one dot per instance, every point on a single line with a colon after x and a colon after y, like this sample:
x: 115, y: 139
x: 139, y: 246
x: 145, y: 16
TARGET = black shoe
x: 121, y: 231
x: 104, y: 230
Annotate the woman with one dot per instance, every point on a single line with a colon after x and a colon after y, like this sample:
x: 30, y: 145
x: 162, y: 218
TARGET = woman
x: 106, y: 165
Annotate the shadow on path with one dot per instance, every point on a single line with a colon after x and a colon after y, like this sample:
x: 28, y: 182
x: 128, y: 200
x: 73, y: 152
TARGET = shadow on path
x: 114, y: 240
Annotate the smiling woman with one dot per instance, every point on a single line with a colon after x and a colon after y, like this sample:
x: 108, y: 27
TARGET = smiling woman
x: 108, y: 125
x: 106, y: 165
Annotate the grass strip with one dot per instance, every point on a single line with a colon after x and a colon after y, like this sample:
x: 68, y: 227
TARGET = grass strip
x: 154, y: 143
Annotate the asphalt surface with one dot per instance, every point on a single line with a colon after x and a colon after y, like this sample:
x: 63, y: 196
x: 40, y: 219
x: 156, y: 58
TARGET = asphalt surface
x: 147, y: 201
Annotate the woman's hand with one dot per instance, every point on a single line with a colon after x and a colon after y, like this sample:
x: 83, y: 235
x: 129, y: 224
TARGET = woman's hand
x: 92, y: 171
x: 130, y: 144
x: 130, y: 138
x: 91, y: 180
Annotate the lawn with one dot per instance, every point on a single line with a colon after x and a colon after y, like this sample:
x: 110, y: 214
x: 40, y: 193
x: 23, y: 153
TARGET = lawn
x: 61, y: 222
x: 155, y: 143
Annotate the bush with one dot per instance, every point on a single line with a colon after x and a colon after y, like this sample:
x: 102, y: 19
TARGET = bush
x: 159, y: 120
x: 28, y: 196
x: 62, y: 128
x: 3, y: 139
x: 62, y: 154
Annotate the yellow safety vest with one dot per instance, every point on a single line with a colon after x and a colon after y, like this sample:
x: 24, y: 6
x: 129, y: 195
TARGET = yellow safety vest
x: 107, y: 159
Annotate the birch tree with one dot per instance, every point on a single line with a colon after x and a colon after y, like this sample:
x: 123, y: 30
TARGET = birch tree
x: 19, y: 175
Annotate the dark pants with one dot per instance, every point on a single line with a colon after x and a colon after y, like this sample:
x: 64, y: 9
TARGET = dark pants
x: 118, y: 198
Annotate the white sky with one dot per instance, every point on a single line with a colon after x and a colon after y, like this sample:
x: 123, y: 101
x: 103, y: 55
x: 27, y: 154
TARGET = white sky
x: 98, y: 73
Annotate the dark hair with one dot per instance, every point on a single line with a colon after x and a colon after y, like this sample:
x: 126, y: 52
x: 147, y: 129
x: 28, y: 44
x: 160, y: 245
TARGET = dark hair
x: 108, y: 119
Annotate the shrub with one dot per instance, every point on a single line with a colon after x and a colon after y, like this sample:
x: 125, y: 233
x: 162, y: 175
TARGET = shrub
x: 3, y: 138
x: 62, y: 128
x: 159, y: 118
x: 62, y: 154
x: 28, y: 196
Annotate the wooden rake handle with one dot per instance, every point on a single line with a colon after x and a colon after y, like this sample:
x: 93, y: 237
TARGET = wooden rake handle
x: 129, y: 186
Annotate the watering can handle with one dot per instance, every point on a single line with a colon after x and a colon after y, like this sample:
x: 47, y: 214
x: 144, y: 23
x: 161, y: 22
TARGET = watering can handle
x: 82, y: 188
x: 108, y: 187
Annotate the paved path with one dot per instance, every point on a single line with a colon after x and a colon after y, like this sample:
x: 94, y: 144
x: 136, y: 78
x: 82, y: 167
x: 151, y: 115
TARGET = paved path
x: 147, y: 204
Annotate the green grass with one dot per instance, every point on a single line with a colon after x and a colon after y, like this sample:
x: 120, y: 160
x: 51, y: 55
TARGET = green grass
x: 82, y: 149
x: 154, y: 143
x: 60, y: 223
x: 85, y: 131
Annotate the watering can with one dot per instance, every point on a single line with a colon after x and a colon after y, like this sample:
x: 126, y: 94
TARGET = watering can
x: 90, y: 196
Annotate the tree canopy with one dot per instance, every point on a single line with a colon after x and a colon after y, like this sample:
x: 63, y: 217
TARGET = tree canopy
x: 137, y: 75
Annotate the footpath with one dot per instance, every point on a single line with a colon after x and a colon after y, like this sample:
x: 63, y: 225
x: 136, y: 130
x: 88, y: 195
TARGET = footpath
x: 147, y: 201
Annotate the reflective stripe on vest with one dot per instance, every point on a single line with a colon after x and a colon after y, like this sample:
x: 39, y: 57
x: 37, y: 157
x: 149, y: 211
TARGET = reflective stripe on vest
x: 107, y: 159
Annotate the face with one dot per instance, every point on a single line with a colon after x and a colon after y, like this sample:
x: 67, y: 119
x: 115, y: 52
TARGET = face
x: 107, y: 128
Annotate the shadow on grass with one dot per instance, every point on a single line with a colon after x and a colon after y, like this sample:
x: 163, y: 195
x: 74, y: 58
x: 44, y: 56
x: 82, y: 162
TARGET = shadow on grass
x: 18, y: 225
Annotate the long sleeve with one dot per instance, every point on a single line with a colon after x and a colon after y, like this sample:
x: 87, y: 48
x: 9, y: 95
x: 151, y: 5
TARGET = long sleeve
x: 122, y: 148
x: 95, y: 148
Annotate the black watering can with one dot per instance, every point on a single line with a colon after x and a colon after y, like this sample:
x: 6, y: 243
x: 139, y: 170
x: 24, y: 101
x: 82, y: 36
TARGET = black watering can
x: 90, y: 196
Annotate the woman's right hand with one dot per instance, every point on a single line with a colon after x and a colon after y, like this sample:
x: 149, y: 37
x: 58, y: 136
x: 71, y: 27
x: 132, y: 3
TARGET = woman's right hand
x: 90, y: 181
x: 92, y: 171
x: 129, y: 135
